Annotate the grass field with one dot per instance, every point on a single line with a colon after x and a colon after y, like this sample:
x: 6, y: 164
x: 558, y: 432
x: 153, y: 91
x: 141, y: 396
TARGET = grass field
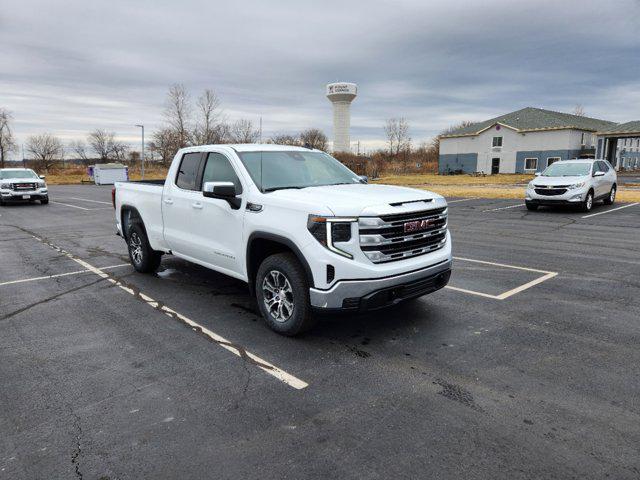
x: 492, y: 186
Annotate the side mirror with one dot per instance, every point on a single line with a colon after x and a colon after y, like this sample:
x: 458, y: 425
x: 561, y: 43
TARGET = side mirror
x: 363, y: 178
x: 42, y: 177
x: 598, y: 174
x: 224, y: 191
x: 537, y: 174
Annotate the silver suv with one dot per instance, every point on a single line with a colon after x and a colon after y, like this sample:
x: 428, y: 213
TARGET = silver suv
x: 573, y: 182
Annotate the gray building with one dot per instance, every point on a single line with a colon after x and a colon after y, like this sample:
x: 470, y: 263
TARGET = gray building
x: 528, y: 140
x: 621, y: 145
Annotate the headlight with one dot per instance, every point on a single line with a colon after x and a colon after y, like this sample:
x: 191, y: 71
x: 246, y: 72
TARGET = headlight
x: 530, y: 186
x: 330, y: 230
x: 576, y: 185
x: 5, y: 185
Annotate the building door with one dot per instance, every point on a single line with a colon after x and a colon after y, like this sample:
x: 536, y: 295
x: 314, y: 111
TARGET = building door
x: 495, y: 166
x: 611, y: 153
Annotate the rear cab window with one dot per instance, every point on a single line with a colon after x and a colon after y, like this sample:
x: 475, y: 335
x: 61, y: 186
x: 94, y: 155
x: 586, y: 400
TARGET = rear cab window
x: 187, y: 176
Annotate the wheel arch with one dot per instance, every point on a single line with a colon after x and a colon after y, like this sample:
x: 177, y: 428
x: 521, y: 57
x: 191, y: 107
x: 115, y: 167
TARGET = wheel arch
x: 128, y: 216
x: 260, y: 245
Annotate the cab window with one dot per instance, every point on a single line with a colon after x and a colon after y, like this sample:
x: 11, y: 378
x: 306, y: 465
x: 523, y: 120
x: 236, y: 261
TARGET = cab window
x: 219, y: 169
x: 188, y: 171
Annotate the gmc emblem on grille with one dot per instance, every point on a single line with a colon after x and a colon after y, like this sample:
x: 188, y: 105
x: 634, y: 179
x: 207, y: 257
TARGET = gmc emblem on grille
x: 417, y: 225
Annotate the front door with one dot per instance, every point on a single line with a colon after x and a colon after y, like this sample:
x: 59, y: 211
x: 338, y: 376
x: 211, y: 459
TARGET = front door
x: 495, y: 166
x: 219, y: 226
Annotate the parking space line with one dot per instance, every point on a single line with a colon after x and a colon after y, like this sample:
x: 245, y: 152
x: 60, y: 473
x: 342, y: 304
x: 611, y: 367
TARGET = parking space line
x: 58, y: 275
x: 237, y: 350
x: 547, y: 275
x: 88, y: 200
x: 463, y: 199
x: 504, y: 208
x: 612, y: 210
x: 68, y: 205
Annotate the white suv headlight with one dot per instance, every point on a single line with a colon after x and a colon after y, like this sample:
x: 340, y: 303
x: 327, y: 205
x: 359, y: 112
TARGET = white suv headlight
x: 576, y: 185
x: 530, y: 186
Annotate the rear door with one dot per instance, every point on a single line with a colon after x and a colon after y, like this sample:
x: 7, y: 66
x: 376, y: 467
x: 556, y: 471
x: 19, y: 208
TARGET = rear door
x: 180, y: 201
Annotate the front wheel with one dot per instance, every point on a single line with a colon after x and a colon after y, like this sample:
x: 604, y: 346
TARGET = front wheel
x: 282, y: 294
x: 44, y: 201
x: 531, y: 206
x: 587, y: 205
x: 612, y: 196
x: 143, y: 258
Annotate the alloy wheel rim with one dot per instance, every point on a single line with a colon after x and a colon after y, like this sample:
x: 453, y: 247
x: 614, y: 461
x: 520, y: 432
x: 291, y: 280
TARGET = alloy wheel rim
x: 612, y: 197
x: 278, y: 296
x: 135, y: 247
x: 589, y: 201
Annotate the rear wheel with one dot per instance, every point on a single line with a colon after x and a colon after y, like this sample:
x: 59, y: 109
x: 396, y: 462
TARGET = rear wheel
x: 143, y: 258
x: 612, y: 196
x: 282, y: 294
x: 587, y: 205
x: 531, y: 206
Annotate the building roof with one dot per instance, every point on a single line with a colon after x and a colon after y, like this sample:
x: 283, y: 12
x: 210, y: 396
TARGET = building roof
x: 623, y: 128
x: 533, y: 119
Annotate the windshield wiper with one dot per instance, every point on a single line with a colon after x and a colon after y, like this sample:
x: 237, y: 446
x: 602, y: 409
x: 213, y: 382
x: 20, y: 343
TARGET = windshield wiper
x: 273, y: 189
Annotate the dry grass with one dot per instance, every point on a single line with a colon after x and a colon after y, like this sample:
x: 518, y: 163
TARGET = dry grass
x: 493, y: 186
x: 435, y: 179
x: 76, y: 175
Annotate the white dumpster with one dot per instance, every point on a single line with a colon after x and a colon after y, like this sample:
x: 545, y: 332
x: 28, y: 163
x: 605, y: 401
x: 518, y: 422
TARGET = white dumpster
x: 110, y: 173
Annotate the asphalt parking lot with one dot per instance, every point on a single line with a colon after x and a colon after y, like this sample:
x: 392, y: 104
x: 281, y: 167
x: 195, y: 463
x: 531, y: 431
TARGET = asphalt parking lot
x: 525, y: 367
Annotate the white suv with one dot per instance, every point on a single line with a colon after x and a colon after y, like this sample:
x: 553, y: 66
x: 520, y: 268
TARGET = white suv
x: 573, y: 182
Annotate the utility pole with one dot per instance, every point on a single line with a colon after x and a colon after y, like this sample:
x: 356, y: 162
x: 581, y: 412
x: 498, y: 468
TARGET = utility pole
x: 142, y: 152
x: 24, y: 160
x: 260, y: 128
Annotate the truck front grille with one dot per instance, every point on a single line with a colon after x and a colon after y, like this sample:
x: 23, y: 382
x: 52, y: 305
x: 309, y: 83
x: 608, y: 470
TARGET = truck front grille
x: 388, y: 238
x: 23, y: 186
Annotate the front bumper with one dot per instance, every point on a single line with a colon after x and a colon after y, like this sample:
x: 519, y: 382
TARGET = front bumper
x: 13, y: 196
x: 570, y: 197
x: 370, y: 294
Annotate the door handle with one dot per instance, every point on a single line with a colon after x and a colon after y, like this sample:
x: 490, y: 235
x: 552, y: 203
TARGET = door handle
x: 168, y: 201
x: 197, y: 205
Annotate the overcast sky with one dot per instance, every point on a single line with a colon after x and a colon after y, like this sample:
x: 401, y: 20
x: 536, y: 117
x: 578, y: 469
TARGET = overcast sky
x: 71, y: 66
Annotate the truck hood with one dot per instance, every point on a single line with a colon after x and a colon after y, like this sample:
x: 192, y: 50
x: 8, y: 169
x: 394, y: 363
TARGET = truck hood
x: 555, y: 181
x: 364, y: 199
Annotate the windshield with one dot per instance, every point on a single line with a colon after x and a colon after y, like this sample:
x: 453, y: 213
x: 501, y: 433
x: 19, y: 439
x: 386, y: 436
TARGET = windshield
x: 567, y: 170
x: 295, y: 169
x: 10, y: 174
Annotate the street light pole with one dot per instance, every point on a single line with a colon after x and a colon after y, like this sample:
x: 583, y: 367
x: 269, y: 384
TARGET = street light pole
x: 142, y: 153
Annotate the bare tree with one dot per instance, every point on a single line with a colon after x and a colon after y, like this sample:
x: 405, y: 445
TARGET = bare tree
x: 285, y: 139
x: 102, y: 143
x: 164, y: 143
x: 80, y: 149
x: 397, y: 132
x: 7, y: 142
x: 242, y: 131
x: 579, y: 110
x: 178, y: 113
x: 207, y: 129
x: 314, y: 138
x: 45, y: 150
x: 119, y: 151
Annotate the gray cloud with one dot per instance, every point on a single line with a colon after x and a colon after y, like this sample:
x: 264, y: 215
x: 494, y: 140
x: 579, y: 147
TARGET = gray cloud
x: 74, y: 67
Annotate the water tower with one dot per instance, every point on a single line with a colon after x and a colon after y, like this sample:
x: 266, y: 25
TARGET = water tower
x: 341, y: 95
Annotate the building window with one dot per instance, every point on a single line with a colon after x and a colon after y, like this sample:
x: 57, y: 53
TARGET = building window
x: 552, y: 160
x: 497, y: 141
x: 530, y: 163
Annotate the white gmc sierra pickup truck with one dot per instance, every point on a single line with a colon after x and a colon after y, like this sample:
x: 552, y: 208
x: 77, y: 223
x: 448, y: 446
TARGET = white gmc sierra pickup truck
x: 300, y: 228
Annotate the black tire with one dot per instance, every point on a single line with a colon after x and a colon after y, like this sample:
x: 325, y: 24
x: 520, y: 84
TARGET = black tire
x: 531, y: 206
x: 285, y: 273
x: 612, y: 195
x: 587, y: 205
x: 44, y: 201
x: 143, y: 258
